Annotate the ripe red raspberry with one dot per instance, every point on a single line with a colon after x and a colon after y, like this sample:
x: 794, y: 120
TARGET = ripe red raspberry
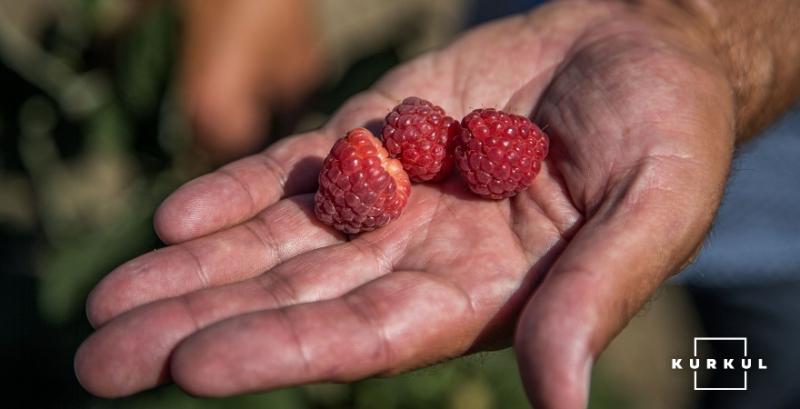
x: 360, y: 187
x: 422, y: 137
x: 499, y: 154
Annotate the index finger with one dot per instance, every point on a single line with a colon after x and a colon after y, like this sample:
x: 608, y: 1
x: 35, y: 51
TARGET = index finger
x: 238, y: 191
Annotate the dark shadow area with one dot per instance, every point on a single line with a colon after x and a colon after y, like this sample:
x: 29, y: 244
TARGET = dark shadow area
x: 768, y: 316
x: 375, y: 126
x: 36, y: 355
x: 302, y: 178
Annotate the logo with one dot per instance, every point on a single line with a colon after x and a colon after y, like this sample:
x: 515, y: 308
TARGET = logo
x: 720, y: 354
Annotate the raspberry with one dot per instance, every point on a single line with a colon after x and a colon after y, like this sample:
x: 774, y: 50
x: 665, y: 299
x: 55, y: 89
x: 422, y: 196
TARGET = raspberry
x: 499, y: 154
x: 422, y: 137
x: 360, y: 187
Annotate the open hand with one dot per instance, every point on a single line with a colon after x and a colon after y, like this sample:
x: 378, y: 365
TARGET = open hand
x: 253, y: 293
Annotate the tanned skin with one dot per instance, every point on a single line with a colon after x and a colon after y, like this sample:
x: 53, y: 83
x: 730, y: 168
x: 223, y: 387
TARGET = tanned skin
x: 644, y: 103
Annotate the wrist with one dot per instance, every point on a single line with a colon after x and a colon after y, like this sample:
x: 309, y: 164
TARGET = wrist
x: 688, y: 26
x: 748, y: 63
x: 740, y: 51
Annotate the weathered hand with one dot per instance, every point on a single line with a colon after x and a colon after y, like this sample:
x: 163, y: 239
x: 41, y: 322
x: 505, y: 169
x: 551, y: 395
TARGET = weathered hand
x: 254, y: 294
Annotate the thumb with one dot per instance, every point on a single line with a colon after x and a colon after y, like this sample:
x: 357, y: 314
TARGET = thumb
x: 637, y: 238
x: 222, y: 85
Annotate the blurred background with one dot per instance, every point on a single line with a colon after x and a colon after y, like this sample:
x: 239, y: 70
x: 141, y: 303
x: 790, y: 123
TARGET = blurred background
x: 106, y: 106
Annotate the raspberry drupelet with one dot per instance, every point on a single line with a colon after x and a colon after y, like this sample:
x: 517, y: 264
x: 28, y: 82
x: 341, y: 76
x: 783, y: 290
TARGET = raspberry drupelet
x: 422, y: 137
x: 360, y: 187
x: 499, y: 153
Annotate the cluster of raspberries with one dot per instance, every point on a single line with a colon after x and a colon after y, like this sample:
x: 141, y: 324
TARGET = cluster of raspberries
x: 365, y: 182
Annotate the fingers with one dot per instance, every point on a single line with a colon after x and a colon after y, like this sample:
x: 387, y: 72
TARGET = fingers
x: 280, y: 232
x: 131, y: 353
x: 238, y: 59
x: 240, y: 190
x: 642, y: 233
x: 222, y: 90
x: 392, y: 324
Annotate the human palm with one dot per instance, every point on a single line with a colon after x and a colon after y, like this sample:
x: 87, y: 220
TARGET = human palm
x: 254, y: 293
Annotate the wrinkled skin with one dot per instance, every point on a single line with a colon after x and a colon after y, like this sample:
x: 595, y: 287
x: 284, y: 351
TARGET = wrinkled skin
x: 254, y: 294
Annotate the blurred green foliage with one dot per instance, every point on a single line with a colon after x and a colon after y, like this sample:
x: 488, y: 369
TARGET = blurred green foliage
x: 91, y: 141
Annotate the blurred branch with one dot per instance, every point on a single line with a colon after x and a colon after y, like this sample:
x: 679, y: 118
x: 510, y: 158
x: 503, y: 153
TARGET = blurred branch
x: 77, y: 94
